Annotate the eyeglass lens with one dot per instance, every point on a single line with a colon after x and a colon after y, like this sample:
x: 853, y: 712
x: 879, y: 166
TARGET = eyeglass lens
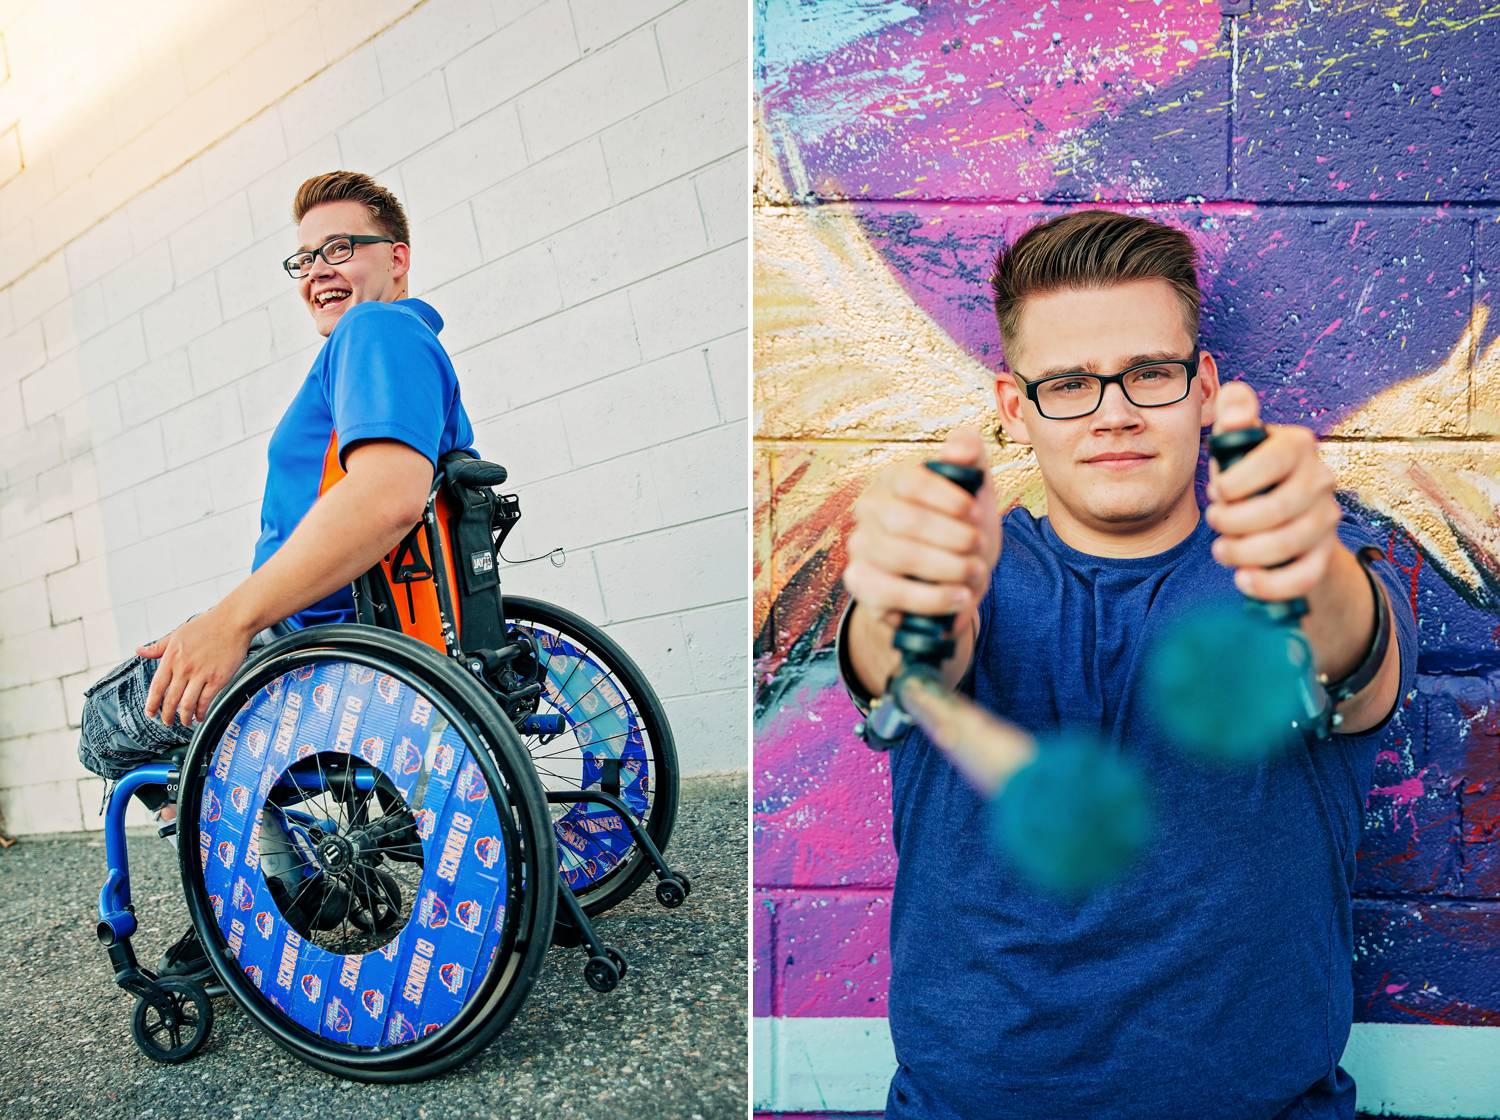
x: 336, y: 251
x: 1064, y: 398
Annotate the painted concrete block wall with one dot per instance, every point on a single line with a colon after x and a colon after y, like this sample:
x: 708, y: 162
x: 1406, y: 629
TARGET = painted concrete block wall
x: 575, y: 173
x: 1337, y: 169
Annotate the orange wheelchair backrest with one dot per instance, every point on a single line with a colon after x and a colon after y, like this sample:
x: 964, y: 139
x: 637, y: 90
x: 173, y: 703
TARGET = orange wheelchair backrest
x: 401, y: 593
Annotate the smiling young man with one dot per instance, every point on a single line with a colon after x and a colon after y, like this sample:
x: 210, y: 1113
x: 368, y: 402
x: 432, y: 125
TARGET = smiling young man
x: 349, y: 467
x: 1214, y: 980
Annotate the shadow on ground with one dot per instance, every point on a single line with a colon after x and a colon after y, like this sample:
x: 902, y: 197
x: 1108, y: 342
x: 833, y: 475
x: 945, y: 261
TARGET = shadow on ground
x: 669, y: 1042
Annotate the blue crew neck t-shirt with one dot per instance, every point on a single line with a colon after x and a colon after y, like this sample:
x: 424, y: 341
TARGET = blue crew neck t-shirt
x: 1215, y: 979
x: 381, y: 374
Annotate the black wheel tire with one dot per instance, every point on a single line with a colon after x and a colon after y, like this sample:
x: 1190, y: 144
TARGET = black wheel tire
x: 620, y: 962
x: 186, y: 1026
x: 670, y: 894
x: 601, y: 974
x: 443, y: 682
x: 620, y: 881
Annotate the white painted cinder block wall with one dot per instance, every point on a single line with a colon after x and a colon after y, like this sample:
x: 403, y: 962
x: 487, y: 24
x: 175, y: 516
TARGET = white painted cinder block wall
x: 576, y: 177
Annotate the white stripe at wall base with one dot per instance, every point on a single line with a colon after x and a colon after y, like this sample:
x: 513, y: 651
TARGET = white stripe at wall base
x: 845, y: 1065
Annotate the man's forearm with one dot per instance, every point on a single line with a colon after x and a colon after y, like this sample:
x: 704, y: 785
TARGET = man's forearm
x: 1339, y: 625
x: 343, y: 535
x: 875, y: 660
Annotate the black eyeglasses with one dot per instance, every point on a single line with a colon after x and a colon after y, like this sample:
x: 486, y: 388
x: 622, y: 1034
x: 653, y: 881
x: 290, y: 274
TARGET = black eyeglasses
x: 336, y: 250
x: 1153, y: 384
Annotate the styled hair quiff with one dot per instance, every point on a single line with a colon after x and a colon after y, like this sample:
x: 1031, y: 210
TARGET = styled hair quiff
x: 384, y: 208
x: 1092, y: 249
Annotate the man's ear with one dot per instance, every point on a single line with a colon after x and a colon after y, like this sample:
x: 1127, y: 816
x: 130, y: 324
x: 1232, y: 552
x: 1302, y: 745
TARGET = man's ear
x: 400, y: 260
x: 1208, y: 386
x: 1012, y: 405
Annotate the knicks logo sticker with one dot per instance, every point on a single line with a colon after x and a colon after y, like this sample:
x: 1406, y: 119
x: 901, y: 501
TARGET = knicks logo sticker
x: 244, y: 897
x: 226, y: 852
x: 273, y: 690
x: 312, y: 987
x: 471, y: 785
x: 401, y: 1029
x: 442, y: 759
x: 374, y: 1002
x: 361, y: 674
x: 212, y: 809
x: 305, y: 673
x: 469, y: 914
x: 388, y: 950
x: 322, y: 697
x: 239, y: 797
x: 408, y: 758
x: 487, y: 850
x: 255, y: 742
x: 217, y: 902
x: 433, y: 912
x: 452, y: 976
x: 253, y: 971
x: 425, y: 819
x: 388, y: 688
x: 337, y: 1017
x: 372, y: 749
x: 264, y: 923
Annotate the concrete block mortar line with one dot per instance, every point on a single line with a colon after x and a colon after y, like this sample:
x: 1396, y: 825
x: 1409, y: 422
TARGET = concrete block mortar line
x: 1459, y: 209
x: 703, y: 345
x: 223, y: 134
x: 1473, y: 303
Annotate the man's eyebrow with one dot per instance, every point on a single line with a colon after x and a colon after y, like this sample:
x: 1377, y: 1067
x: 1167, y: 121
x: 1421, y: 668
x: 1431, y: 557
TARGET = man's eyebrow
x: 1093, y: 367
x: 320, y: 244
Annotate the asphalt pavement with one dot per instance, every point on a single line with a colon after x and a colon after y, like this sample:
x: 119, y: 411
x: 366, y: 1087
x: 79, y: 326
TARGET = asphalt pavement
x: 670, y: 1041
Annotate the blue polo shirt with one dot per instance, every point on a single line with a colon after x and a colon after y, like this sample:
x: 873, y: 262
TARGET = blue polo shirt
x: 1215, y: 979
x: 381, y: 374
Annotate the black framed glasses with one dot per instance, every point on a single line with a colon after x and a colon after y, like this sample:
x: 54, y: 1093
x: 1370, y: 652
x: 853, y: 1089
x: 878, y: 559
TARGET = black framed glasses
x: 1153, y: 384
x: 336, y: 250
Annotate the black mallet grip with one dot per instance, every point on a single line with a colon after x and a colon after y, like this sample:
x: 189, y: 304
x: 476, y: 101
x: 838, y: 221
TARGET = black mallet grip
x: 924, y: 639
x: 1229, y: 448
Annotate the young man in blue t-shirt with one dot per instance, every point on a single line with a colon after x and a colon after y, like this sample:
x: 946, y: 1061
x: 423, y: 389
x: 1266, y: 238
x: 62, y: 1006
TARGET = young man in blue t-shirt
x: 1213, y: 980
x: 349, y: 468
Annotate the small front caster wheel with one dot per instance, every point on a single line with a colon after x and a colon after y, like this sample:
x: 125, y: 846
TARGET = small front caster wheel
x: 602, y: 974
x: 670, y: 892
x: 173, y: 1025
x: 620, y: 963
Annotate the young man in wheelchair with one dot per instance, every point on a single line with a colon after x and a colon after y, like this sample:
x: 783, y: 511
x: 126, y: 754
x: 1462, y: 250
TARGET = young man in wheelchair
x: 377, y: 411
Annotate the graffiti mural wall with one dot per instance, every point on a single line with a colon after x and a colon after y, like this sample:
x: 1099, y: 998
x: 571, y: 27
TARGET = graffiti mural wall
x: 1336, y: 164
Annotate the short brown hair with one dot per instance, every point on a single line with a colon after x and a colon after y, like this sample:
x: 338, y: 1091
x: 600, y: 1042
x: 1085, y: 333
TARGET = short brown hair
x: 385, y: 209
x: 1092, y: 249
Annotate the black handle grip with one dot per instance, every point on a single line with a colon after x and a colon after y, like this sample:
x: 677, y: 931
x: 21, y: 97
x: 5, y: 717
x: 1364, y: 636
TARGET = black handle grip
x: 1228, y: 448
x: 476, y: 473
x: 970, y: 478
x: 924, y: 639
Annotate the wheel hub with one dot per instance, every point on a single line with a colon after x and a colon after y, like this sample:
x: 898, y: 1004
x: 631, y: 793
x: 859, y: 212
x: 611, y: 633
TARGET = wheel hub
x: 335, y: 854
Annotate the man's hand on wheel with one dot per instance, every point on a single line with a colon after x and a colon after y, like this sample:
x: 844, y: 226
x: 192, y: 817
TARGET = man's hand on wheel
x: 197, y: 661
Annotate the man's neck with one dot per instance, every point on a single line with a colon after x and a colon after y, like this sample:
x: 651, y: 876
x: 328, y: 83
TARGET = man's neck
x: 1126, y: 540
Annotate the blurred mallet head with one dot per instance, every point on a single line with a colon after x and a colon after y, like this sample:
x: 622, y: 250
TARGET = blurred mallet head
x: 1068, y: 813
x: 1074, y: 820
x: 1226, y: 684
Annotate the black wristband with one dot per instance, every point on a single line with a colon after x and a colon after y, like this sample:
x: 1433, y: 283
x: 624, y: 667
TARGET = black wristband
x: 1357, y: 679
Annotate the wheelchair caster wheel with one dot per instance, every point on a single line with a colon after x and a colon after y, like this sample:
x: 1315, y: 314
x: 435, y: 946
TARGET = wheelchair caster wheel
x: 176, y: 1029
x: 620, y: 963
x: 671, y: 892
x: 602, y: 974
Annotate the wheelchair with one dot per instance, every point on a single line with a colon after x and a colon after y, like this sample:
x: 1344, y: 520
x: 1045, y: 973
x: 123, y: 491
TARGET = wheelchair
x: 382, y: 826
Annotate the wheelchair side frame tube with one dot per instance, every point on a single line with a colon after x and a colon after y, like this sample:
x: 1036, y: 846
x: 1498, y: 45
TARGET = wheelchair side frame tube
x: 116, y: 918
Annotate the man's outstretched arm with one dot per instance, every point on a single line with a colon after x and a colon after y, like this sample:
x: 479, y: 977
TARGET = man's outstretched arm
x: 343, y: 535
x: 1278, y: 522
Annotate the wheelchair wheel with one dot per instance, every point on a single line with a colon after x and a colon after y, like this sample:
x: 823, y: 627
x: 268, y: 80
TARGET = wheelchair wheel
x: 366, y: 853
x: 597, y: 724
